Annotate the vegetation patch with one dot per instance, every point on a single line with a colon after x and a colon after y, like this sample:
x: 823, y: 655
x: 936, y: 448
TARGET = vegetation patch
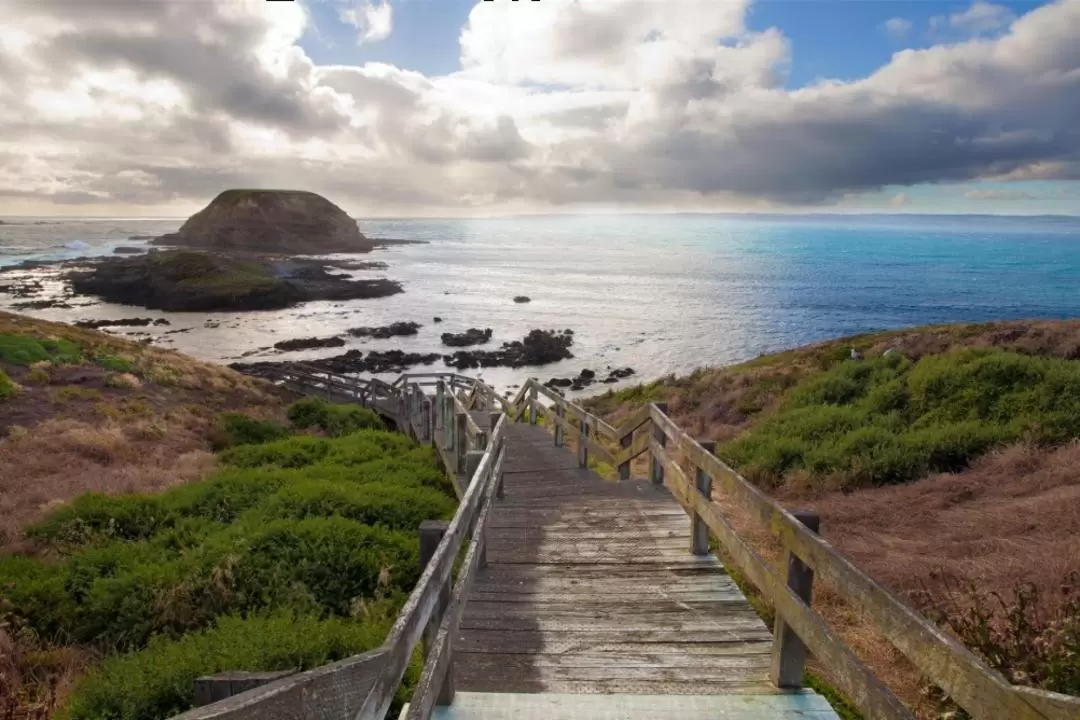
x: 889, y: 420
x: 297, y: 552
x: 7, y: 387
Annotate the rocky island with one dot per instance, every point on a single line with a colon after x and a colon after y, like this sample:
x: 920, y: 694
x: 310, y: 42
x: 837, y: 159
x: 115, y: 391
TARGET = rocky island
x: 292, y: 222
x: 237, y: 253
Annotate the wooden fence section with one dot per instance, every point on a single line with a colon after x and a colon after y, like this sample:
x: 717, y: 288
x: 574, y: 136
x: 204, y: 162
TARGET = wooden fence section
x: 466, y: 421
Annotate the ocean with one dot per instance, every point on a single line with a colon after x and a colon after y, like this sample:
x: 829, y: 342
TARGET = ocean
x: 659, y: 293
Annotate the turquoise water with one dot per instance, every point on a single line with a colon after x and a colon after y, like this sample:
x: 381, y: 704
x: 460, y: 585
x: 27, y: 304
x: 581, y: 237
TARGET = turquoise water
x: 660, y: 293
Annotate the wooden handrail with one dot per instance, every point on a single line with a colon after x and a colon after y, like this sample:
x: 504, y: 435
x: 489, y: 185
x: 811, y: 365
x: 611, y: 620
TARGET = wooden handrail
x: 948, y: 664
x: 405, y: 635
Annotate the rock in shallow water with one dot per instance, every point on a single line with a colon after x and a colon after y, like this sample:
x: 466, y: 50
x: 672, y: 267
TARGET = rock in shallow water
x: 308, y: 343
x: 398, y: 329
x: 539, y: 347
x: 472, y: 336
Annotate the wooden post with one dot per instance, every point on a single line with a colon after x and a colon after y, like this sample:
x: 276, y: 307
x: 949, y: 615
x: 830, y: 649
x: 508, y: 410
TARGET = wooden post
x: 699, y: 531
x: 560, y: 416
x: 461, y: 439
x: 448, y: 427
x: 583, y: 443
x: 789, y: 653
x: 656, y: 473
x: 473, y: 462
x: 431, y: 534
x: 532, y: 406
x: 624, y: 468
x: 429, y: 422
x: 440, y: 398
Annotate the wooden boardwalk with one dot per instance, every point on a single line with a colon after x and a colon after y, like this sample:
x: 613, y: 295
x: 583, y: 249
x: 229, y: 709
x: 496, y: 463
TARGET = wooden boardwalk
x: 567, y: 596
x: 591, y: 587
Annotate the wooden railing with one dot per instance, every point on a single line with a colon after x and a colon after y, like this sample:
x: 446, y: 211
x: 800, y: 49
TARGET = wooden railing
x: 363, y: 687
x: 972, y: 684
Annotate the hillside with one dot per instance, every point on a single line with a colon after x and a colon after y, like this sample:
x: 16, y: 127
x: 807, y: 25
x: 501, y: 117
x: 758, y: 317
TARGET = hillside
x: 165, y: 519
x: 940, y: 459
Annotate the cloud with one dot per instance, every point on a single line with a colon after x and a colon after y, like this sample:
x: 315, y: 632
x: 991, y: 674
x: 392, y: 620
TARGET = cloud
x: 998, y: 195
x: 897, y: 27
x: 980, y: 19
x: 899, y: 200
x: 614, y: 102
x: 374, y: 22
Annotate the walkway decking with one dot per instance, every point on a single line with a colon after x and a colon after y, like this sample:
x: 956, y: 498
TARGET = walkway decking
x: 591, y: 588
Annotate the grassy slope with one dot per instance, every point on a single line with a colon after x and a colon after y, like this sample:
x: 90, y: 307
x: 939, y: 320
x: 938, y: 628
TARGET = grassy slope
x: 975, y: 507
x: 96, y: 413
x: 290, y: 547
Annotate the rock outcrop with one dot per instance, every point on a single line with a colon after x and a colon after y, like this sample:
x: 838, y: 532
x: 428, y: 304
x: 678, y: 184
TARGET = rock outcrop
x: 182, y: 280
x: 472, y: 336
x: 272, y: 221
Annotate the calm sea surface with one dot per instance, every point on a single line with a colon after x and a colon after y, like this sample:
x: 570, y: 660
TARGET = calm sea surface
x: 662, y: 294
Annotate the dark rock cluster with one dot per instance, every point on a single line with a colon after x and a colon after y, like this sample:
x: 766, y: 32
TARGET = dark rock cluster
x: 539, y: 347
x: 123, y: 322
x: 472, y: 336
x: 397, y: 329
x: 308, y: 343
x: 587, y: 377
x: 353, y: 361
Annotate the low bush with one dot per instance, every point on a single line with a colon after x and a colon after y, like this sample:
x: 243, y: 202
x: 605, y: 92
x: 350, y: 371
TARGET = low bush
x: 115, y: 363
x: 334, y: 420
x: 237, y: 429
x: 158, y: 681
x: 21, y: 350
x: 1030, y: 641
x: 384, y: 504
x: 292, y: 452
x: 887, y: 420
x: 7, y: 387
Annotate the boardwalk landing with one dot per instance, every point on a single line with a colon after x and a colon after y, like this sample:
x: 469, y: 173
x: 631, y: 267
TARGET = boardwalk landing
x: 591, y: 589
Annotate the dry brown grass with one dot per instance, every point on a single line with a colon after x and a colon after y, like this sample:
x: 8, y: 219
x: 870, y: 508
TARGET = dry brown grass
x: 81, y: 428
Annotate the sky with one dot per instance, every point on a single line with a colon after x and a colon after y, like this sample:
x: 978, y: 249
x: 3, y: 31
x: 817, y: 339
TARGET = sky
x: 407, y: 108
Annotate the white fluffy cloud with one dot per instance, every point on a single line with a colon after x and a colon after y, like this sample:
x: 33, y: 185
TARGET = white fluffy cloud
x: 642, y: 102
x: 373, y: 21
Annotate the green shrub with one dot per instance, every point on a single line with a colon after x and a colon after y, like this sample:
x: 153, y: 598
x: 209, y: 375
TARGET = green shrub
x: 238, y: 429
x: 94, y: 517
x: 7, y: 387
x: 379, y: 503
x: 21, y: 350
x: 115, y: 363
x: 334, y: 420
x: 63, y: 351
x: 293, y: 452
x: 158, y: 681
x: 38, y: 375
x: 336, y: 560
x: 227, y: 495
x: 887, y: 420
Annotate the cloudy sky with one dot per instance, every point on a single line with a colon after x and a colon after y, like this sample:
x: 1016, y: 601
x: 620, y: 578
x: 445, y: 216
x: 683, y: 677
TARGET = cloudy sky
x: 465, y: 107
